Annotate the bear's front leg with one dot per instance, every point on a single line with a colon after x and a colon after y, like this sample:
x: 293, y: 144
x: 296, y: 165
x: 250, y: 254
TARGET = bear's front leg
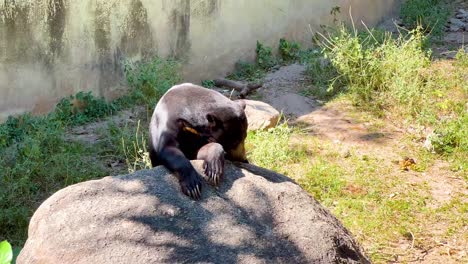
x: 189, y: 180
x: 213, y: 155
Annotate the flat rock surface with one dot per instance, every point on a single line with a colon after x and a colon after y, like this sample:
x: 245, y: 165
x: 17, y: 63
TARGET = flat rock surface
x: 255, y: 216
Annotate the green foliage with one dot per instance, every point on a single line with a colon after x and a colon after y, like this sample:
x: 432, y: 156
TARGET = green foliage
x: 323, y: 75
x: 82, y: 108
x: 452, y: 135
x: 461, y: 59
x: 247, y: 72
x: 264, y: 58
x: 275, y: 156
x: 379, y: 72
x: 33, y: 168
x: 208, y: 83
x: 6, y: 253
x: 16, y: 128
x: 150, y: 79
x: 289, y: 51
x: 431, y: 14
x: 324, y: 180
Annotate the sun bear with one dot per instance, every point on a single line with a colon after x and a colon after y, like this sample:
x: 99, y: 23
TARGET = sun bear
x: 191, y: 122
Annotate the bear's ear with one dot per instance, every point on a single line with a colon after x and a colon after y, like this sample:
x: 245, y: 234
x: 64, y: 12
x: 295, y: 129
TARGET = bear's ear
x: 241, y: 103
x: 213, y: 121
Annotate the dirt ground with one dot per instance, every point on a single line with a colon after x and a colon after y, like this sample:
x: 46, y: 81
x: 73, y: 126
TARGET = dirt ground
x: 339, y: 125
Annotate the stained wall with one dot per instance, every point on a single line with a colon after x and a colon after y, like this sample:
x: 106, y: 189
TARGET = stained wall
x: 53, y: 48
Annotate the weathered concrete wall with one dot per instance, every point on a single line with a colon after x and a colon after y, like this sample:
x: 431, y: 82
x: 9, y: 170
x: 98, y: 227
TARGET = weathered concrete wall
x: 54, y: 48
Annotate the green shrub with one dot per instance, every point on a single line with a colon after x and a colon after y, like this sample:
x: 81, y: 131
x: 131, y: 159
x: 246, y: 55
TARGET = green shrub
x: 82, y: 108
x: 451, y: 135
x: 289, y: 51
x: 323, y: 75
x: 16, y: 128
x: 264, y: 58
x: 208, y: 83
x: 461, y: 59
x: 6, y: 253
x: 430, y: 14
x: 150, y: 79
x: 379, y: 73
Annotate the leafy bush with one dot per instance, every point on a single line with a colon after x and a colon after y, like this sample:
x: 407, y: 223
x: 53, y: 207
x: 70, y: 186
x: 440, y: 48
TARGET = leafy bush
x: 289, y: 51
x: 150, y: 79
x: 323, y: 75
x: 430, y: 14
x: 461, y: 59
x: 82, y: 108
x: 264, y: 59
x: 379, y: 73
x: 6, y: 253
x: 208, y: 83
x: 452, y: 135
x: 395, y: 77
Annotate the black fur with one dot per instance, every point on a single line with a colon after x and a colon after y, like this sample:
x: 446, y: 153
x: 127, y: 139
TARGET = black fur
x: 192, y: 122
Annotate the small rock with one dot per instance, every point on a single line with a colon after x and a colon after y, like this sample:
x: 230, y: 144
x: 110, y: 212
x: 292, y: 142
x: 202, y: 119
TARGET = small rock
x: 260, y: 115
x: 346, y: 154
x: 398, y: 22
x: 454, y: 28
x: 457, y: 22
x: 428, y: 142
x: 324, y: 62
x: 462, y: 14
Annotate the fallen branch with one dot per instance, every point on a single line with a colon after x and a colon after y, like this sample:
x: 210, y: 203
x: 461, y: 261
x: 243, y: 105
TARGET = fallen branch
x: 243, y: 89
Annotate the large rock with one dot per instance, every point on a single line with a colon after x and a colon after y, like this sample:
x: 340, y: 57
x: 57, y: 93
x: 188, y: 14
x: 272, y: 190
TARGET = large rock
x: 260, y: 115
x: 255, y: 216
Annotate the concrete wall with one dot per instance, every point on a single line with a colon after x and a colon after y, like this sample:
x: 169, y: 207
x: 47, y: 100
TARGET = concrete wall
x: 53, y: 48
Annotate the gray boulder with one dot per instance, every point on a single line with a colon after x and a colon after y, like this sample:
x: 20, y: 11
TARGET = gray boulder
x: 260, y: 115
x: 255, y: 216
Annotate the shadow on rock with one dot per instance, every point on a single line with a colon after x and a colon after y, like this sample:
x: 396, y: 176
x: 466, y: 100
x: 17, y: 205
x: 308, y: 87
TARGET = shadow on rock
x: 254, y: 216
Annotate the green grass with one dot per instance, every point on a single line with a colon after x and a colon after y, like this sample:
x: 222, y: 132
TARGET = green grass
x: 369, y: 194
x: 431, y: 14
x: 33, y: 167
x: 273, y: 156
